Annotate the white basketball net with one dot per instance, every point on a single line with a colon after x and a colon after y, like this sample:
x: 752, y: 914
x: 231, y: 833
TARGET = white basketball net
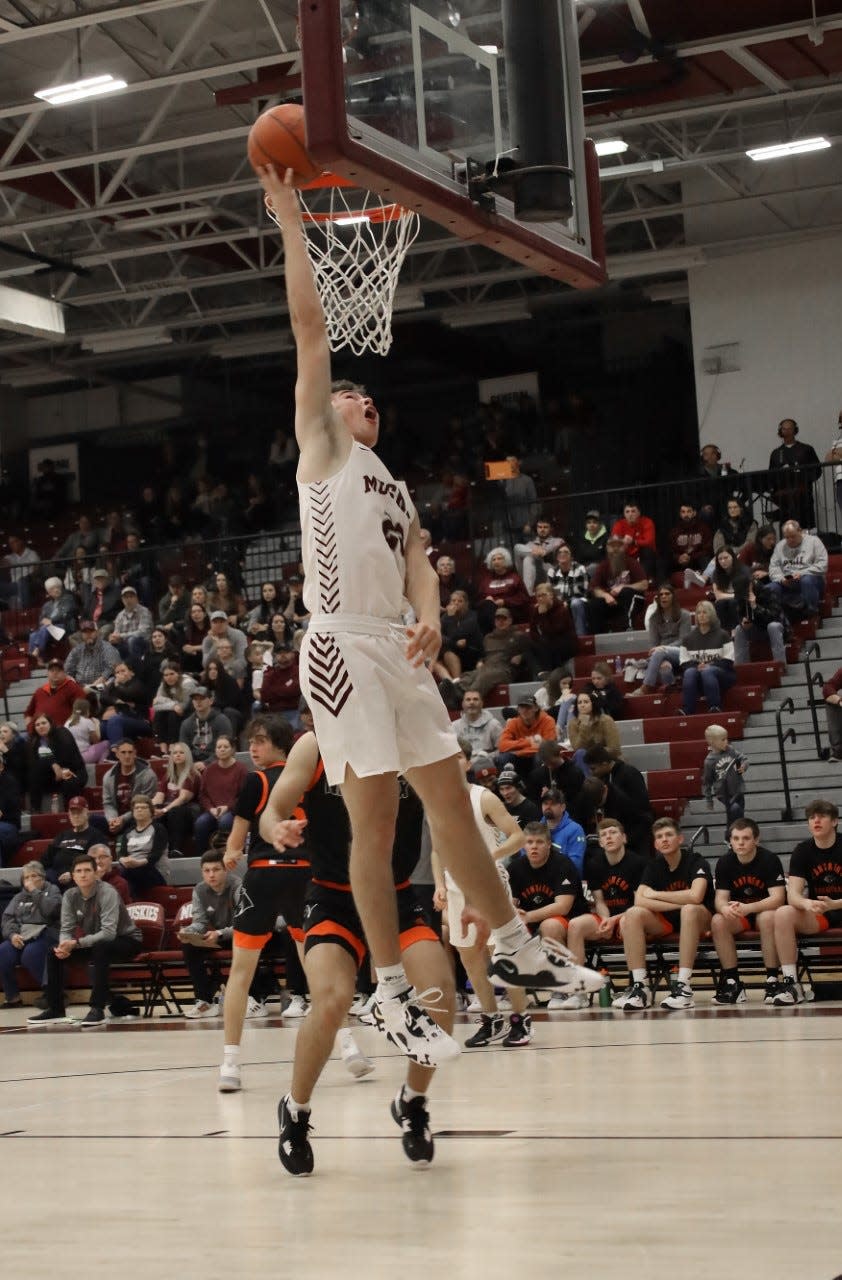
x: 357, y: 245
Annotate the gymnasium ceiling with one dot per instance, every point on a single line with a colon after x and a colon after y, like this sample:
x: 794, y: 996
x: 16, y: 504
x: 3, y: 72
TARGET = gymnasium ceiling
x: 693, y: 84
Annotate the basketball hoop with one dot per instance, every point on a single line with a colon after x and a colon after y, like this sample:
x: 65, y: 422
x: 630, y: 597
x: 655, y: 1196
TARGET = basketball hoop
x: 357, y: 245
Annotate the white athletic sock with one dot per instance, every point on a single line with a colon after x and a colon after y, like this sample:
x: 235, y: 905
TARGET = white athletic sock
x: 391, y: 981
x: 638, y: 975
x: 790, y: 971
x: 346, y: 1037
x: 295, y: 1108
x: 231, y: 1052
x: 684, y: 975
x: 408, y: 1094
x: 512, y: 936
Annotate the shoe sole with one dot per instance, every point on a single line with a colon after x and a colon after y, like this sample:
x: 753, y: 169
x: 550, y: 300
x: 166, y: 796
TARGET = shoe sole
x: 93, y: 1026
x: 228, y: 1086
x: 444, y: 1050
x: 579, y: 980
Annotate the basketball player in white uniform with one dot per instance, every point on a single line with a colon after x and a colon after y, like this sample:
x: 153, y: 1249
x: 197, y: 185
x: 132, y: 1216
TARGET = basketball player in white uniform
x: 376, y: 708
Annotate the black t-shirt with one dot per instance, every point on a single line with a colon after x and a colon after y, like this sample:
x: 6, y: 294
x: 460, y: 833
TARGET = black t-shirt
x: 658, y: 876
x: 524, y: 812
x: 750, y: 881
x: 618, y: 882
x: 58, y: 858
x: 534, y: 887
x: 821, y: 868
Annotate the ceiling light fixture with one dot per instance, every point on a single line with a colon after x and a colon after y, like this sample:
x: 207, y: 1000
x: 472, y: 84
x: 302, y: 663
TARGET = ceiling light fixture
x: 611, y: 147
x: 780, y: 149
x: 125, y: 340
x: 92, y: 87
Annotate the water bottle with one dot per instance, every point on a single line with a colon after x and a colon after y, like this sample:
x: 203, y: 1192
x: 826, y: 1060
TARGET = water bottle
x: 618, y: 664
x: 606, y: 991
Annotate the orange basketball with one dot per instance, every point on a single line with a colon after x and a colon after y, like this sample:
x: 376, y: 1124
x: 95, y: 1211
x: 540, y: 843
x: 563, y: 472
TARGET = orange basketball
x: 277, y: 137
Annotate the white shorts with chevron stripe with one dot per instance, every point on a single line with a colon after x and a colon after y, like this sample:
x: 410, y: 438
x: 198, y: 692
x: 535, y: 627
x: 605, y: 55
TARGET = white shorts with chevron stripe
x: 372, y: 709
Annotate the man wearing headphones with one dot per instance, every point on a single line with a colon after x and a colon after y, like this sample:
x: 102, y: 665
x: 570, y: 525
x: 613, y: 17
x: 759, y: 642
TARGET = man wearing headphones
x: 796, y: 468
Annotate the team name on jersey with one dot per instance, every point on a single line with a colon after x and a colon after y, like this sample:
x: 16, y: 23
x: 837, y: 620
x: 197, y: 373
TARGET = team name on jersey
x: 751, y: 886
x: 386, y: 489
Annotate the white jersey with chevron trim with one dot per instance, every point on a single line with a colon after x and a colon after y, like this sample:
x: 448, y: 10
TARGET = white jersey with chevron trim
x: 354, y: 527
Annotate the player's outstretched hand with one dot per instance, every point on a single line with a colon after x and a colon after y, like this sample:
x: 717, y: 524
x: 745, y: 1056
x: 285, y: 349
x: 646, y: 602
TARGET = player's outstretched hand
x: 472, y: 917
x: 423, y: 643
x: 281, y: 196
x: 289, y: 834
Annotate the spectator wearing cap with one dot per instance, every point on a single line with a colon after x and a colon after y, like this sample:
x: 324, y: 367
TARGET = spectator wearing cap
x: 477, y: 725
x: 523, y: 734
x: 617, y: 588
x: 552, y: 770
x: 220, y: 629
x: 79, y: 837
x: 295, y: 610
x: 202, y: 727
x: 58, y: 615
x: 483, y: 771
x: 589, y: 546
x: 504, y: 651
x: 281, y: 688
x: 10, y: 813
x: 510, y: 788
x: 102, y: 601
x: 564, y: 831
x: 55, y: 698
x: 132, y: 626
x: 623, y: 795
x: 91, y: 662
x: 172, y: 608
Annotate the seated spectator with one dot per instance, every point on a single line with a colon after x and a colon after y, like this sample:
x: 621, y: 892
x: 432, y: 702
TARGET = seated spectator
x: 730, y: 587
x: 103, y: 601
x: 124, y: 703
x: 149, y: 668
x: 220, y: 785
x: 78, y: 576
x: 569, y: 580
x: 757, y: 555
x: 132, y: 626
x: 58, y: 619
x: 84, y: 538
x: 533, y: 558
x: 675, y: 896
x: 281, y: 689
x: 196, y: 632
x: 449, y: 579
x: 797, y: 570
x: 750, y: 887
x: 257, y: 512
x: 210, y: 929
x: 258, y: 620
x: 461, y: 646
x: 613, y: 873
x: 176, y: 802
x: 523, y: 734
x: 139, y: 569
x: 10, y: 813
x: 259, y: 656
x: 689, y: 541
x: 220, y: 628
x: 95, y: 926
x: 552, y: 636
x: 504, y: 652
x: 55, y: 769
x: 234, y: 667
x: 30, y: 928
x: 601, y: 684
x: 128, y: 778
x: 13, y: 751
x: 478, y: 726
x: 590, y: 546
x: 142, y: 849
x: 590, y: 726
x: 717, y: 478
x: 86, y: 732
x: 552, y: 771
x: 56, y: 697
x: 295, y: 610
x: 814, y: 895
x: 706, y: 662
x: 202, y: 727
x: 91, y: 662
x: 79, y: 837
x: 624, y: 796
x: 637, y: 533
x: 832, y: 694
x: 617, y: 588
x: 171, y: 704
x: 499, y: 586
x: 565, y: 833
x: 224, y: 598
x: 199, y: 595
x: 762, y: 618
x: 226, y: 694
x: 281, y: 630
x: 20, y: 561
x: 509, y: 786
x: 545, y: 885
x: 667, y: 625
x: 738, y: 529
x: 107, y: 873
x: 173, y: 607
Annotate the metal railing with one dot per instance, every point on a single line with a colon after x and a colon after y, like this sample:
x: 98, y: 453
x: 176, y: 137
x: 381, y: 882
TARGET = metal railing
x: 700, y: 836
x: 812, y: 679
x: 784, y: 736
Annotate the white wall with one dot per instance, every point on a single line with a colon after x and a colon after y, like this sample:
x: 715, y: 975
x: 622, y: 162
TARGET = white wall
x: 784, y: 308
x: 100, y: 408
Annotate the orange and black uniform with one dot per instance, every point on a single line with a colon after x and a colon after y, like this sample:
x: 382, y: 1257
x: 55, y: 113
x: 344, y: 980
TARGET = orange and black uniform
x: 275, y: 883
x: 749, y: 882
x: 658, y: 876
x: 330, y: 914
x: 822, y: 870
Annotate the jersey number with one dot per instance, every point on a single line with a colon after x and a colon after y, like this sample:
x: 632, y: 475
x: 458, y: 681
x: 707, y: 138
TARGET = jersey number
x: 394, y: 535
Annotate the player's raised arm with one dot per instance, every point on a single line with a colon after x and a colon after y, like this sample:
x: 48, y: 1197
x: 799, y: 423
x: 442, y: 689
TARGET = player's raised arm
x: 321, y: 434
x: 296, y: 777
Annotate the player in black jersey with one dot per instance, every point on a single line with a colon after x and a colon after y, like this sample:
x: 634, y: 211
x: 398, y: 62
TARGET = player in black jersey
x: 334, y: 947
x: 814, y: 893
x: 612, y: 874
x: 675, y: 895
x: 274, y: 884
x: 750, y: 886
